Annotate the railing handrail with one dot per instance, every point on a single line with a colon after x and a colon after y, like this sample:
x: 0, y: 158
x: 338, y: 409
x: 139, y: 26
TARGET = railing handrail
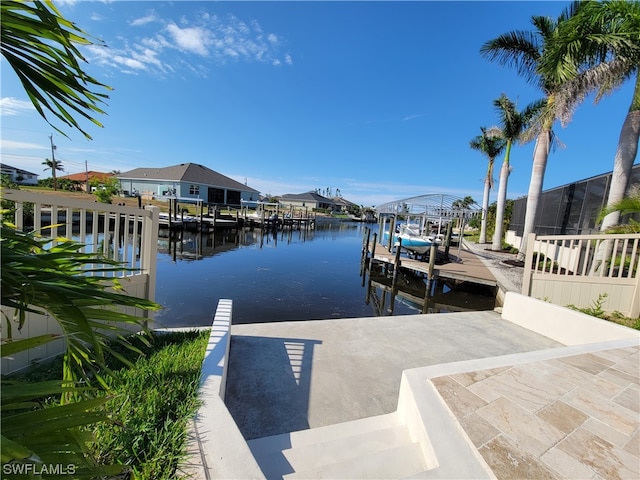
x: 139, y: 253
x: 592, y: 236
x: 68, y: 202
x: 582, y: 258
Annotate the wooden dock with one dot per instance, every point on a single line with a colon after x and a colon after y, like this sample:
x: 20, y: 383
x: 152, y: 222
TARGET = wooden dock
x: 209, y: 223
x: 467, y: 267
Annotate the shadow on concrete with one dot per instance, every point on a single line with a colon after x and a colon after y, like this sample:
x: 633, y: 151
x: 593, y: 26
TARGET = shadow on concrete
x: 268, y: 384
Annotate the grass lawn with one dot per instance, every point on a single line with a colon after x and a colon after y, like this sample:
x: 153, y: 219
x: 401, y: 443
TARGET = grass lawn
x: 151, y: 403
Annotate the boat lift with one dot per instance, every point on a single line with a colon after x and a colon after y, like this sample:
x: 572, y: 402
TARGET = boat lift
x: 436, y: 208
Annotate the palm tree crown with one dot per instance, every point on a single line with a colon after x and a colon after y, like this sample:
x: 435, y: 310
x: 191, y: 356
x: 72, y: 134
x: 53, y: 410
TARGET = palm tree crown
x: 525, y: 51
x: 491, y: 146
x: 513, y: 124
x: 597, y: 50
x: 55, y: 166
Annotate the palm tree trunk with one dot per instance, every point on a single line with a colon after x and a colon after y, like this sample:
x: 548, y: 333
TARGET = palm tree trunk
x: 622, y: 165
x: 540, y: 157
x: 502, y: 200
x: 485, y: 208
x: 625, y: 156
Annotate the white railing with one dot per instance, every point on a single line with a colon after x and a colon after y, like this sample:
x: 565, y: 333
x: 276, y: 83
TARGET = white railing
x: 582, y: 269
x: 125, y: 234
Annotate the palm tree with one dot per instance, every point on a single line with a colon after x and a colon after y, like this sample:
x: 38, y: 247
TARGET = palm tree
x: 524, y: 50
x: 513, y: 124
x: 597, y: 50
x: 492, y: 147
x: 55, y: 166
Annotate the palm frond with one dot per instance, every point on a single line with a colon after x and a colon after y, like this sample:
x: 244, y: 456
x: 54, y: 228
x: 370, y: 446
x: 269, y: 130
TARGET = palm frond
x: 627, y: 206
x: 602, y: 79
x: 40, y: 46
x: 518, y: 49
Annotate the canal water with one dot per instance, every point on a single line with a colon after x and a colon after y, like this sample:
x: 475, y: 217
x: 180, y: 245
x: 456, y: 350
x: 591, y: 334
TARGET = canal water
x: 289, y: 275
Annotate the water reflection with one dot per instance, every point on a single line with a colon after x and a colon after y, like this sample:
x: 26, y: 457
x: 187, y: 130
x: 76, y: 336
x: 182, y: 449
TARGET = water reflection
x: 188, y: 245
x: 414, y: 291
x: 288, y: 275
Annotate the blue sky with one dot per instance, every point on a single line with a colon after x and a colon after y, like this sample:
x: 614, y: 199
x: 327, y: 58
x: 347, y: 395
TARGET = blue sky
x: 378, y: 99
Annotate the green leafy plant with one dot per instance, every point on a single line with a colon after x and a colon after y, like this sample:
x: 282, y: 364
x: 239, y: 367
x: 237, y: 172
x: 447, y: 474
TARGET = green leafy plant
x: 39, y: 276
x: 105, y: 189
x: 595, y: 310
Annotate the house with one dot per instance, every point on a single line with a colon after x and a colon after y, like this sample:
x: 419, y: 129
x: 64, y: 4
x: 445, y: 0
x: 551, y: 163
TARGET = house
x: 310, y: 200
x: 19, y: 176
x: 186, y: 181
x: 83, y: 178
x: 345, y: 206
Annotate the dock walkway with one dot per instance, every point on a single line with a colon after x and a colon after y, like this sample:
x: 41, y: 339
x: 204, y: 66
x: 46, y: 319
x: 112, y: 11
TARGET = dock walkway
x: 464, y: 265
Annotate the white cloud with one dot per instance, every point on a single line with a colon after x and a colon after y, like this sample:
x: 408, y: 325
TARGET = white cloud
x: 411, y: 117
x: 6, y: 144
x: 192, y: 39
x: 11, y: 106
x: 151, y: 17
x: 148, y: 56
x: 201, y: 40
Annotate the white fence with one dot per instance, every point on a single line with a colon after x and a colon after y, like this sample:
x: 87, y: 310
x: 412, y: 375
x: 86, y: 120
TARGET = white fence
x: 582, y: 269
x: 125, y: 234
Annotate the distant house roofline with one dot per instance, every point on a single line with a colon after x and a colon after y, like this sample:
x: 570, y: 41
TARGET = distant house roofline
x: 16, y: 169
x: 82, y: 176
x: 186, y: 172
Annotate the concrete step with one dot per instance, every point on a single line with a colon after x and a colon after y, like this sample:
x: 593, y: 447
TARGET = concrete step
x: 398, y: 462
x: 302, y: 438
x: 374, y: 447
x: 317, y: 455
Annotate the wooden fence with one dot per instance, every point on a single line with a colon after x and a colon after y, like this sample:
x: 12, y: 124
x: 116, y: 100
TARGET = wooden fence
x: 581, y: 270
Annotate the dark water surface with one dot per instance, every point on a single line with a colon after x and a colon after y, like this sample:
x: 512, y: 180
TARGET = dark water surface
x: 282, y: 276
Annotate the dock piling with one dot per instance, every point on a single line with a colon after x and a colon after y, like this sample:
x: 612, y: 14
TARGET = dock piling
x: 373, y: 249
x: 396, y: 264
x: 432, y: 263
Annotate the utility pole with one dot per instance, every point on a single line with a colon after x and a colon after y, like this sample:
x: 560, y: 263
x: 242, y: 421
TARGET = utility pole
x: 86, y: 170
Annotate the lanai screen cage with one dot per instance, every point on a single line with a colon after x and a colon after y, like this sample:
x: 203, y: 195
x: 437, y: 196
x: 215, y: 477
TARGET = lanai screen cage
x: 435, y: 208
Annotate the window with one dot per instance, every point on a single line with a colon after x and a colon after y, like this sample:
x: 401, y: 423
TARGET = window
x: 233, y: 197
x: 216, y: 195
x: 194, y: 189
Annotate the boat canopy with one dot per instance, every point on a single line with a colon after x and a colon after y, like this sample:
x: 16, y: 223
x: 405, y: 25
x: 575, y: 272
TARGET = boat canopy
x: 433, y: 206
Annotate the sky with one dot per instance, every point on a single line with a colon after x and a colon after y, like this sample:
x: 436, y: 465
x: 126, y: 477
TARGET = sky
x: 376, y: 99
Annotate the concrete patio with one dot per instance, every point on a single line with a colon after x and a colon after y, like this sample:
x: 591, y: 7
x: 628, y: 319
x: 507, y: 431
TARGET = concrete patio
x: 462, y: 395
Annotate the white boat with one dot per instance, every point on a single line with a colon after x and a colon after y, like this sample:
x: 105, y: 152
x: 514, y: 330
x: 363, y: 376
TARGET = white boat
x: 410, y: 239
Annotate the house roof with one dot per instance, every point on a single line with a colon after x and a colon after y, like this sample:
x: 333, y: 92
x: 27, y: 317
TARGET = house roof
x: 306, y: 197
x: 342, y: 201
x: 82, y: 176
x: 16, y: 169
x: 186, y: 172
